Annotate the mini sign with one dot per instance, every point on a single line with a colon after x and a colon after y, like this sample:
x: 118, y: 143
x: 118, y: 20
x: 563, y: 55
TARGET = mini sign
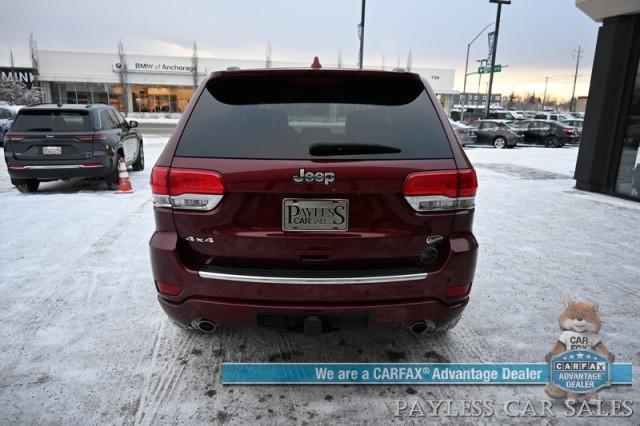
x: 23, y: 75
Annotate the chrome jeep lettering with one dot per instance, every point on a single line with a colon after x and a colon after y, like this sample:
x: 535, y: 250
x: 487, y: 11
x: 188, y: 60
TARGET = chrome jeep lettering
x: 314, y: 177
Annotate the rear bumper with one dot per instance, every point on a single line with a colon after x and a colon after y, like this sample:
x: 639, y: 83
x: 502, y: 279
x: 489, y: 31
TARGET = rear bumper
x: 99, y: 167
x: 225, y: 298
x: 515, y: 140
x: 246, y: 314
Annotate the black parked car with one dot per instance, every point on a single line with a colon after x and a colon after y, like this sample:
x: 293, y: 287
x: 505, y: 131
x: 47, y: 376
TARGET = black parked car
x: 548, y: 133
x: 499, y: 133
x: 51, y: 142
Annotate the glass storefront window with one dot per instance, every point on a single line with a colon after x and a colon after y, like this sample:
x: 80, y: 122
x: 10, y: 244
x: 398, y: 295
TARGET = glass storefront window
x: 88, y: 93
x: 628, y: 181
x: 160, y: 99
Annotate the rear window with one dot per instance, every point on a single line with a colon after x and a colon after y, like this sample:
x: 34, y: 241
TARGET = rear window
x: 333, y: 117
x: 52, y: 121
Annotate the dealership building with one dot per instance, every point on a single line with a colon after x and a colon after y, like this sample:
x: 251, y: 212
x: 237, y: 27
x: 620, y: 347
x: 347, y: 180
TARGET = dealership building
x: 157, y: 84
x: 609, y: 156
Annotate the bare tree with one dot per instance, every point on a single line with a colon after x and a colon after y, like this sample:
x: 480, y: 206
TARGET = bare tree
x: 409, y: 60
x: 123, y: 77
x: 33, y: 49
x: 194, y: 65
x: 35, y: 62
x: 340, y: 58
x: 267, y: 55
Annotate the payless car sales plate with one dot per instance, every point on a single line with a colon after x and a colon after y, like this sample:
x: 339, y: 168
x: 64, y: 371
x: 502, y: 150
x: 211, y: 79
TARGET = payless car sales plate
x: 315, y: 214
x: 52, y: 150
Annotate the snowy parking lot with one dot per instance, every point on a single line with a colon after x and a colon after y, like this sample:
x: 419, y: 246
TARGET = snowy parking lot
x: 83, y: 340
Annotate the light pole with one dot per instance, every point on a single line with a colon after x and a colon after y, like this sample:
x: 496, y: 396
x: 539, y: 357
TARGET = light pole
x: 494, y: 49
x: 466, y: 66
x: 361, y: 34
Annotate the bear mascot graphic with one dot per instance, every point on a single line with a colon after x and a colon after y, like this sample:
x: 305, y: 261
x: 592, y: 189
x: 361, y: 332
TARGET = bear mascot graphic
x: 580, y: 324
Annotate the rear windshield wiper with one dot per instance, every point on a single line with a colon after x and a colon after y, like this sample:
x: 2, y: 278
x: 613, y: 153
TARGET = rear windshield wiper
x: 40, y: 129
x: 326, y: 149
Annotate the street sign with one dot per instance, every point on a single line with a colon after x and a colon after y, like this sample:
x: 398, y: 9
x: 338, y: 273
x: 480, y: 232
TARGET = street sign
x: 486, y: 70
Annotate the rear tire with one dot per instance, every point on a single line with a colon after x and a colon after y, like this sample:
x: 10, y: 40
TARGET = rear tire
x: 139, y: 163
x: 112, y: 179
x: 500, y: 142
x: 552, y: 141
x: 27, y: 186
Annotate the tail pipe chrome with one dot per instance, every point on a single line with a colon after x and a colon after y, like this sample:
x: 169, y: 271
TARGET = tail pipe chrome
x: 204, y: 325
x: 421, y: 327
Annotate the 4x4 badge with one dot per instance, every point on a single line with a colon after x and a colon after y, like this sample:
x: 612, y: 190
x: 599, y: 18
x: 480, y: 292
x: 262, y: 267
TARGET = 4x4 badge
x: 311, y: 177
x: 200, y: 240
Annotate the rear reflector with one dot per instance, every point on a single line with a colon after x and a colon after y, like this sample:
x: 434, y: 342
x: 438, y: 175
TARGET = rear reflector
x: 188, y: 189
x: 91, y: 138
x: 457, y: 291
x: 441, y: 190
x: 168, y: 289
x: 91, y: 164
x: 16, y: 166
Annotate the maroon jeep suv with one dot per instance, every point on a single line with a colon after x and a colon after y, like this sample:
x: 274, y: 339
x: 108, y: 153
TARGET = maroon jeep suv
x: 314, y: 200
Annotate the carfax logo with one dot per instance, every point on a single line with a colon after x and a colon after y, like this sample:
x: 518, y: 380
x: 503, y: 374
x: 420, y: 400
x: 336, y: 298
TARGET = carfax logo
x: 580, y: 372
x: 579, y: 360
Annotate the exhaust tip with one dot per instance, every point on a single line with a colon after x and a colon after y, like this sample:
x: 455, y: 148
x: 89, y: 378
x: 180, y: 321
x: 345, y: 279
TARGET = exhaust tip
x: 204, y: 325
x: 421, y: 327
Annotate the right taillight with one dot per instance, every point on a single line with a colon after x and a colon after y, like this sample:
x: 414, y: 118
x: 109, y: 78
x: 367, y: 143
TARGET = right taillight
x: 186, y: 189
x: 441, y: 190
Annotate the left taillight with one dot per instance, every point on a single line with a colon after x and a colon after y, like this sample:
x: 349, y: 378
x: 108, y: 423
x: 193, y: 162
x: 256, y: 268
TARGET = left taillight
x: 441, y: 190
x: 186, y: 189
x: 13, y: 138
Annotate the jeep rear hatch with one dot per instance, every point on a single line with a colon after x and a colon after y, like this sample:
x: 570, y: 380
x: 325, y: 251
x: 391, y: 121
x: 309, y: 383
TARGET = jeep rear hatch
x: 270, y: 161
x: 52, y: 134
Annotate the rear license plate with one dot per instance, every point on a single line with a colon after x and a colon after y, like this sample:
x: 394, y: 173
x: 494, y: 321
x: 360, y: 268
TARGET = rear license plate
x: 51, y: 150
x: 315, y: 215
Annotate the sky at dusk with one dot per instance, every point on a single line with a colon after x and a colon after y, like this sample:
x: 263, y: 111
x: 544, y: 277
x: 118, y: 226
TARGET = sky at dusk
x: 537, y: 37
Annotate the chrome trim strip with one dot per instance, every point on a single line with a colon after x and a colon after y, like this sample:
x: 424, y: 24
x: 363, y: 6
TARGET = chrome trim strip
x: 301, y: 280
x: 62, y: 166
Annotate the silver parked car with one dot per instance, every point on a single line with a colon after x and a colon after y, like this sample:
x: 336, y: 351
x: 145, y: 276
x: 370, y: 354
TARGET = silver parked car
x: 499, y: 133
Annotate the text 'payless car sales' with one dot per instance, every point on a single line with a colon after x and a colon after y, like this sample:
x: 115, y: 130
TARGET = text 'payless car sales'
x: 333, y: 215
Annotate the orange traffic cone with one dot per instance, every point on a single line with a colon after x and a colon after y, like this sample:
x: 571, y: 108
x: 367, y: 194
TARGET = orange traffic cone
x: 124, y: 184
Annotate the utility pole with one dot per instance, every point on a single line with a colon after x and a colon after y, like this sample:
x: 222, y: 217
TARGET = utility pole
x: 494, y: 49
x: 544, y: 97
x: 361, y: 34
x: 575, y: 79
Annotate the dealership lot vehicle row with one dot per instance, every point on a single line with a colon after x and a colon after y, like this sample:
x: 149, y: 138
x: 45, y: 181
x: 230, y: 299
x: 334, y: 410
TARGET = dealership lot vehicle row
x: 83, y: 339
